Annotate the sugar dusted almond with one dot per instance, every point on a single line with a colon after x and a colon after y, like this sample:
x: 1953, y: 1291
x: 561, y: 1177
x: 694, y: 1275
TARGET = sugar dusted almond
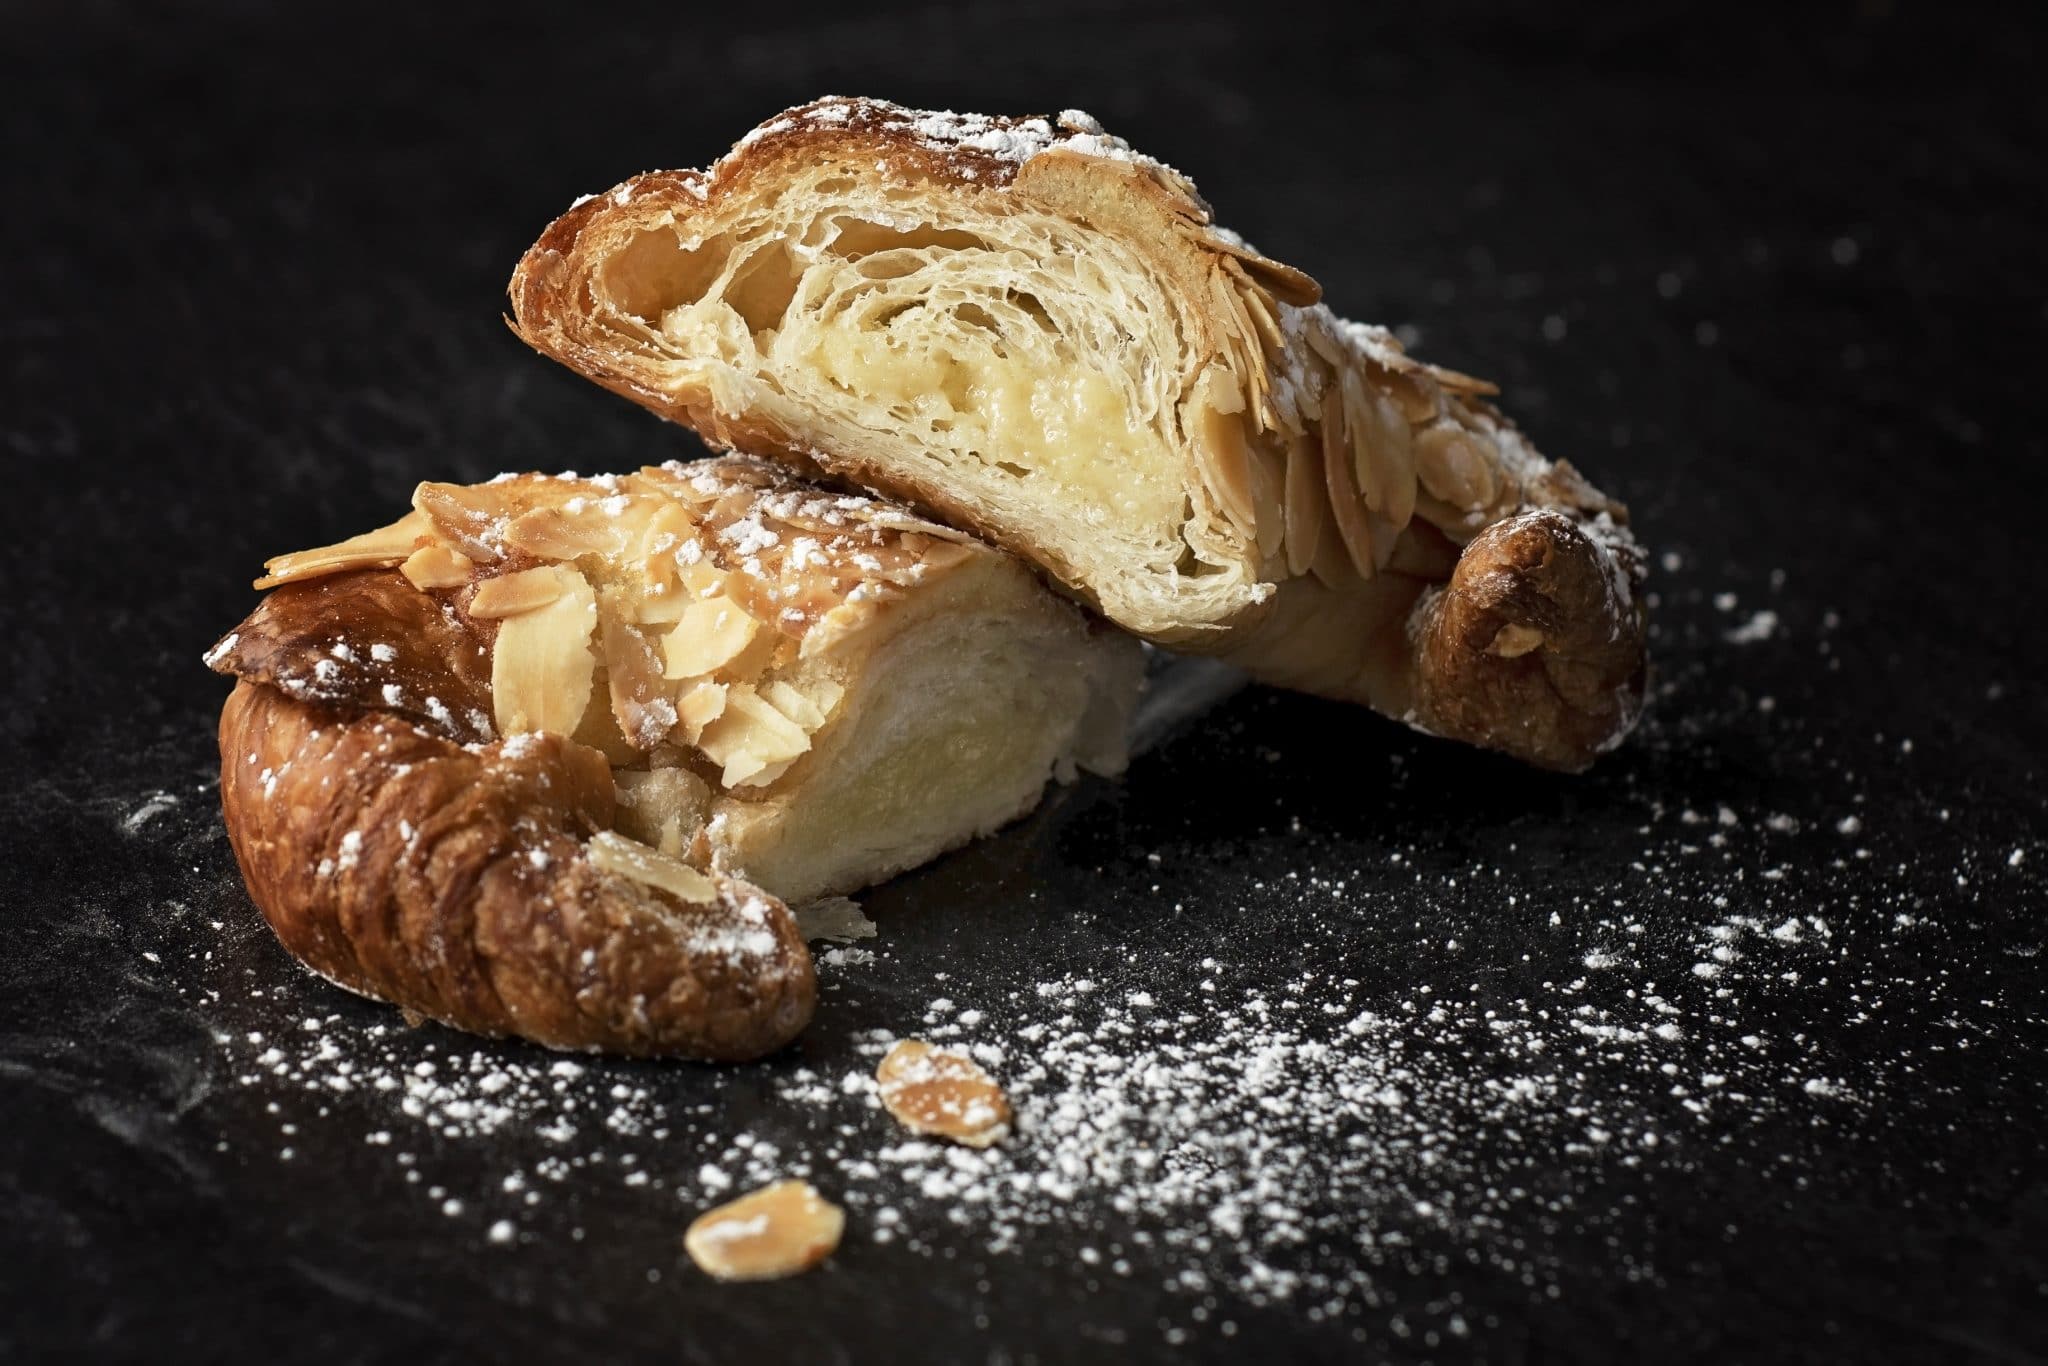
x: 710, y: 633
x: 934, y: 1091
x: 640, y: 698
x: 668, y: 530
x: 541, y: 663
x: 387, y: 545
x: 615, y: 853
x: 776, y: 1231
x: 469, y: 516
x: 508, y: 595
x: 437, y: 566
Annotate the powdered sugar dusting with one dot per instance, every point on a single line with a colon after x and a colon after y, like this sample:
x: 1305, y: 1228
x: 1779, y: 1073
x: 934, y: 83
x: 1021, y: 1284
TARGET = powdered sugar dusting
x: 1506, y: 1027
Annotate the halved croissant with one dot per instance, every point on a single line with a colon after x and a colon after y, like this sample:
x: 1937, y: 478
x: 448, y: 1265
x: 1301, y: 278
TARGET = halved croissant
x: 1043, y: 336
x: 506, y: 762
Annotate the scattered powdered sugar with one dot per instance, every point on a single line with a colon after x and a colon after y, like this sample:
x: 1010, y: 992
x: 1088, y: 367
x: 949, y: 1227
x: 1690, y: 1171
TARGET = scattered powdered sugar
x: 1761, y: 626
x: 1409, y: 1050
x: 1009, y: 140
x: 154, y: 805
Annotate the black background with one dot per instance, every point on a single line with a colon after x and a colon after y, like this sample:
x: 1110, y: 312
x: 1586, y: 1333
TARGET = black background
x: 1777, y: 281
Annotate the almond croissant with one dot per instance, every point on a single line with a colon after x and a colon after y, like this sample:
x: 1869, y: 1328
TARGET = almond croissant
x: 1043, y: 336
x: 525, y: 760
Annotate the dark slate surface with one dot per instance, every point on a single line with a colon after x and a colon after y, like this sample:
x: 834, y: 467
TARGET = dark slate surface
x: 1778, y: 284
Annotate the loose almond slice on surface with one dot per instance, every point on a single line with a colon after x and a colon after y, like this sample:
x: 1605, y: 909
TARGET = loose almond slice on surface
x: 776, y: 1231
x: 387, y: 545
x: 930, y: 1091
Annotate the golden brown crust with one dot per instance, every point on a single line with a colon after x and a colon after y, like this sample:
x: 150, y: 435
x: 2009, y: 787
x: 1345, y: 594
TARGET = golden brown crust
x: 456, y: 882
x: 1324, y: 467
x: 367, y: 639
x: 1532, y: 647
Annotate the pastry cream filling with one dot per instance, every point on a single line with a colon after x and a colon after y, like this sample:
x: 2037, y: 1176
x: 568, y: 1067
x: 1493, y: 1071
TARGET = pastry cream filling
x: 979, y: 348
x: 1067, y: 426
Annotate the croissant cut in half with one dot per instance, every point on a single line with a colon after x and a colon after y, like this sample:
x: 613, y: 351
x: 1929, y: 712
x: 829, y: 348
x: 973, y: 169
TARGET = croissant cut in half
x: 549, y: 755
x: 1042, y: 335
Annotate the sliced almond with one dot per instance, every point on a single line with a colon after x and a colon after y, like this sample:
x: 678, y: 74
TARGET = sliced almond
x: 1259, y: 306
x: 795, y: 705
x: 699, y: 705
x: 1284, y: 281
x: 1305, y: 503
x: 1414, y: 398
x: 541, y: 663
x: 1458, y: 382
x: 508, y: 595
x: 556, y: 533
x: 470, y: 516
x: 437, y: 566
x: 614, y: 853
x: 1346, y: 508
x: 749, y: 737
x: 840, y: 624
x: 387, y: 545
x: 1269, y: 492
x: 934, y: 1091
x: 599, y: 729
x: 640, y: 698
x: 668, y: 530
x: 1453, y: 467
x: 1217, y: 433
x: 710, y: 633
x: 1385, y: 451
x: 1514, y: 640
x: 776, y: 1231
x: 809, y: 706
